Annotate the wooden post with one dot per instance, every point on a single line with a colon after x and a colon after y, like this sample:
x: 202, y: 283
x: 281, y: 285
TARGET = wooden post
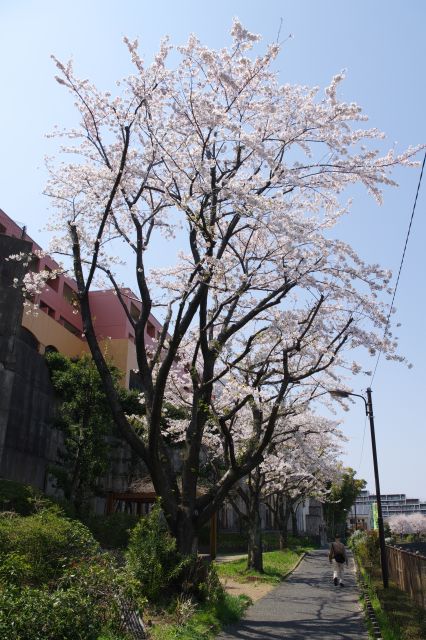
x: 213, y: 536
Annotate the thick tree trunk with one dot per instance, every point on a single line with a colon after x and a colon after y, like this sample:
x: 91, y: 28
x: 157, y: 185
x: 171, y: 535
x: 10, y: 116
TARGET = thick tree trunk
x: 255, y: 546
x: 294, y: 527
x: 185, y: 533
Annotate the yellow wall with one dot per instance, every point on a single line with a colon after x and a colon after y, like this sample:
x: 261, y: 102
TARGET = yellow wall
x: 123, y: 354
x: 49, y: 332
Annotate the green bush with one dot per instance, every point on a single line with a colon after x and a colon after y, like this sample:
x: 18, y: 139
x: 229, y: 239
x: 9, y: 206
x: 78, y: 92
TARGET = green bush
x: 358, y: 537
x: 37, y: 614
x: 25, y: 500
x: 152, y: 557
x: 18, y: 497
x: 112, y: 531
x: 54, y: 582
x: 36, y: 549
x: 207, y: 621
x: 104, y: 582
x: 211, y: 590
x: 366, y: 548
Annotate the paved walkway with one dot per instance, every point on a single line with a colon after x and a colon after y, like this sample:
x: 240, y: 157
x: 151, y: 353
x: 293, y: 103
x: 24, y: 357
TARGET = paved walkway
x: 306, y: 605
x: 229, y: 557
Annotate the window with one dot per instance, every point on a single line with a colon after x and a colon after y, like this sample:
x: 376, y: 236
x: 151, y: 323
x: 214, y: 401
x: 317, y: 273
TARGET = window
x: 34, y: 264
x: 46, y: 309
x: 51, y: 349
x: 70, y: 327
x: 150, y: 329
x: 134, y: 312
x: 71, y: 297
x: 2, y: 228
x: 52, y: 282
x: 68, y: 293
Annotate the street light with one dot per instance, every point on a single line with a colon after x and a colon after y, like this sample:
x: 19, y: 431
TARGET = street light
x: 340, y: 393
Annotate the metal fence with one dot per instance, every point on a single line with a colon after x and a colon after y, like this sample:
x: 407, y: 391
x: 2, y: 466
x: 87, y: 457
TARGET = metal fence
x: 131, y: 622
x: 408, y: 570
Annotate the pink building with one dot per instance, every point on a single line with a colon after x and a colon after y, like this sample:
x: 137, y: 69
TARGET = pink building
x: 59, y: 325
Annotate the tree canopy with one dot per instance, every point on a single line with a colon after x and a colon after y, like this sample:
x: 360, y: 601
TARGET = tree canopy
x: 247, y: 175
x: 85, y: 419
x: 341, y: 498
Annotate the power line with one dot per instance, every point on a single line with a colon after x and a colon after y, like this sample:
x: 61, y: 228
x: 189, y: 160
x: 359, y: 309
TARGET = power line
x: 400, y: 268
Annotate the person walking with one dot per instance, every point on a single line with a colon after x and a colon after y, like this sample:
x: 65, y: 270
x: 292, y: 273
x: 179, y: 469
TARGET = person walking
x: 338, y: 557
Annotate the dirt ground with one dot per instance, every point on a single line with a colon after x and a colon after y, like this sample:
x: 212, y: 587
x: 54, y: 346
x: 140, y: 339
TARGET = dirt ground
x: 255, y: 590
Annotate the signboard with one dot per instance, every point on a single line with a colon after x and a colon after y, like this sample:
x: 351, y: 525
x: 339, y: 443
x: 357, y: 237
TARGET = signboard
x: 374, y: 516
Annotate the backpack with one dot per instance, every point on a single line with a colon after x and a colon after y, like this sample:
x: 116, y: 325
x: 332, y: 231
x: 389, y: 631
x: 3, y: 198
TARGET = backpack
x: 339, y: 557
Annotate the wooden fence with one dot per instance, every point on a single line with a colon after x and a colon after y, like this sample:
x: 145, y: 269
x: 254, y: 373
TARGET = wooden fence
x: 408, y: 570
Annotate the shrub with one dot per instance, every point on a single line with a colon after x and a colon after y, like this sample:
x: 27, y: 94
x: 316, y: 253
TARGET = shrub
x: 184, y: 609
x: 211, y: 589
x: 366, y: 548
x: 54, y: 582
x: 103, y: 581
x: 356, y: 538
x: 24, y: 500
x: 37, y: 614
x: 18, y: 497
x: 112, y: 531
x: 152, y: 557
x: 86, y: 600
x: 36, y: 549
x: 372, y: 548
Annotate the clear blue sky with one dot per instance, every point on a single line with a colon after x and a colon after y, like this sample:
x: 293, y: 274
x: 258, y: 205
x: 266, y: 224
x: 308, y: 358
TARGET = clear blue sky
x: 379, y: 43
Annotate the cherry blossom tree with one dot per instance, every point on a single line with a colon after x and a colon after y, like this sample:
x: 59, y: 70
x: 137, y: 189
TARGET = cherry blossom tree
x: 300, y: 462
x: 404, y: 523
x: 246, y: 175
x: 311, y: 465
x: 398, y: 524
x: 417, y: 523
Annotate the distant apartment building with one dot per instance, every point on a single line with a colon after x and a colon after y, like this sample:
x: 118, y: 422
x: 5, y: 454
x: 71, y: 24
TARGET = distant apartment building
x: 58, y: 325
x: 392, y: 504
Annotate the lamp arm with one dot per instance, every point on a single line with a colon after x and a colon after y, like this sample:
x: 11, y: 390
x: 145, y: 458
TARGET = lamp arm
x: 358, y: 395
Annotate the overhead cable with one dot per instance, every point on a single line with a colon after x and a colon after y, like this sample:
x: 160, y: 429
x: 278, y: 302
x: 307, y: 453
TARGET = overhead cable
x: 400, y: 268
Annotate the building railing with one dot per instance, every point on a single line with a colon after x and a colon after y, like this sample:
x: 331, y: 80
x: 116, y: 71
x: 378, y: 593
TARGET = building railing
x: 407, y: 569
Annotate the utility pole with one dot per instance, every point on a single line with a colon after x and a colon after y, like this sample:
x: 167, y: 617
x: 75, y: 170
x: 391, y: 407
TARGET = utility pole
x: 383, y: 558
x: 341, y: 393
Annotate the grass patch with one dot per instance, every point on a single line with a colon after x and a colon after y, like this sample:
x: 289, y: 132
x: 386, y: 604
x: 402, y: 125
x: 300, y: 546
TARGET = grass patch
x: 207, y: 621
x: 276, y: 564
x: 233, y: 541
x: 398, y: 616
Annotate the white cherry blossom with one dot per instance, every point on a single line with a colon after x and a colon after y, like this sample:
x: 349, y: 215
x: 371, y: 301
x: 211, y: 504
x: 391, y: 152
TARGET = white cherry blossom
x: 248, y: 175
